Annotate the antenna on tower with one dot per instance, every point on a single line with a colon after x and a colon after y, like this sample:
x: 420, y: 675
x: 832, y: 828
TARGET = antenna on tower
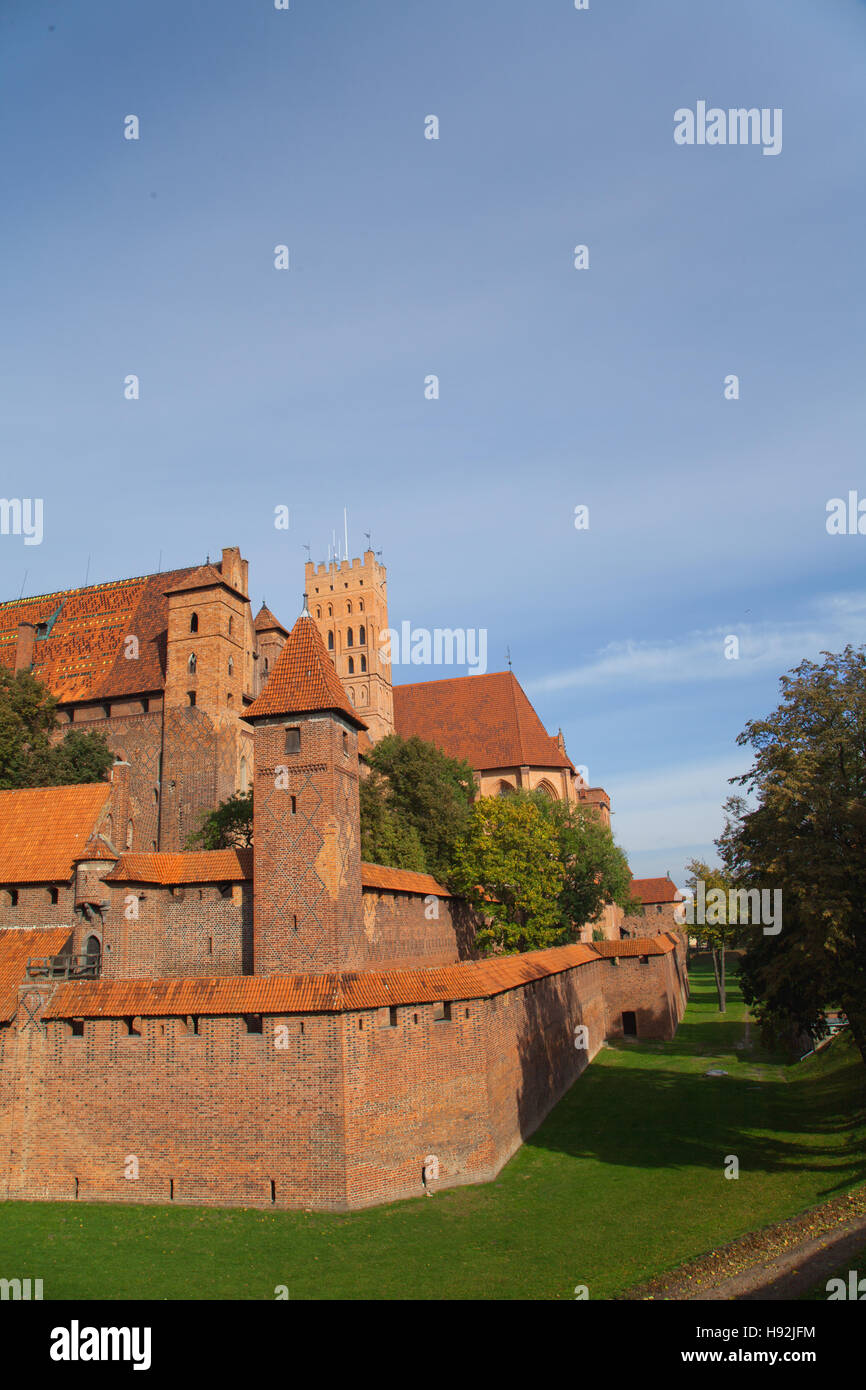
x: 23, y: 582
x: 508, y: 655
x: 309, y: 551
x: 346, y: 532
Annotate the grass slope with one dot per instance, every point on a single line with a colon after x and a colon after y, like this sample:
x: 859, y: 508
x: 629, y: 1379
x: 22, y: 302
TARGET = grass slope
x: 624, y: 1180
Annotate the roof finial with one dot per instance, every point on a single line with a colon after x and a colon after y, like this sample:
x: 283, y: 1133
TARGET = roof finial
x: 508, y: 654
x: 306, y: 612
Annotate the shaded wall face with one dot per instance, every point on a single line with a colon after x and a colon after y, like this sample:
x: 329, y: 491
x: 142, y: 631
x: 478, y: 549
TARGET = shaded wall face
x: 651, y: 991
x: 35, y: 908
x: 152, y: 932
x: 408, y: 930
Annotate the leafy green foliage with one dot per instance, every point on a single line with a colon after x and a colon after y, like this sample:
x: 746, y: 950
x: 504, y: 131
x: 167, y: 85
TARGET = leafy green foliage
x: 428, y: 792
x: 807, y: 836
x: 229, y: 826
x: 28, y: 758
x: 387, y: 838
x: 596, y: 871
x: 507, y: 865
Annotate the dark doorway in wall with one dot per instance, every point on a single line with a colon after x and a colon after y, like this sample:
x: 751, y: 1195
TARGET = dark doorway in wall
x: 629, y: 1023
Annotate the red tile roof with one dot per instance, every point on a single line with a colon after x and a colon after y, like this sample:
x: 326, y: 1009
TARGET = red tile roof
x: 236, y: 866
x: 81, y: 654
x: 276, y: 994
x: 43, y: 830
x: 204, y: 577
x: 303, y: 679
x: 266, y: 622
x: 487, y: 720
x: 637, y: 946
x: 17, y: 945
x: 655, y: 890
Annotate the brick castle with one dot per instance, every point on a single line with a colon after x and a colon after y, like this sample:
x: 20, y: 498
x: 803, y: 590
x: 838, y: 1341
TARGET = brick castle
x: 284, y: 1025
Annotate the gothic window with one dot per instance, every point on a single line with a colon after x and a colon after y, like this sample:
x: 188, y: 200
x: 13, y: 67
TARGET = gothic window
x: 191, y: 664
x: 330, y: 641
x: 547, y: 790
x: 349, y: 606
x: 267, y: 664
x: 93, y: 950
x: 363, y: 663
x: 352, y: 695
x: 190, y: 695
x: 362, y: 636
x: 53, y: 895
x: 231, y: 625
x: 193, y: 623
x: 360, y: 605
x: 231, y: 665
x: 349, y: 638
x: 318, y: 612
x: 351, y: 666
x: 330, y: 611
x: 129, y: 834
x: 362, y: 696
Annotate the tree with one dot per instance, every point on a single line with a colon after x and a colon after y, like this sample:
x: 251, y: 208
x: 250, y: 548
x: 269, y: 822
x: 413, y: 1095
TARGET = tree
x: 596, y: 871
x: 28, y: 758
x: 507, y: 865
x: 229, y: 826
x: 806, y: 835
x: 721, y: 928
x: 386, y: 838
x: 428, y: 791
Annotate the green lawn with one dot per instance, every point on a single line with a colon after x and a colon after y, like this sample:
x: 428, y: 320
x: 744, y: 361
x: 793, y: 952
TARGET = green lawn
x: 624, y: 1180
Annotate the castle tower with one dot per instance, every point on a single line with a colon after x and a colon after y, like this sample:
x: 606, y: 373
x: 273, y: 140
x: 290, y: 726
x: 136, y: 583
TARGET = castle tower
x: 349, y: 603
x: 270, y: 639
x: 307, y: 900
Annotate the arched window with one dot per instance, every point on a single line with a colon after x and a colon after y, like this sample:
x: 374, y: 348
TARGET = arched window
x: 191, y: 664
x: 349, y: 606
x: 318, y: 612
x: 129, y: 834
x: 53, y: 895
x: 351, y: 666
x: 267, y: 665
x: 548, y: 791
x: 362, y: 636
x: 360, y: 605
x: 93, y: 952
x: 231, y: 665
x: 363, y: 663
x: 330, y: 611
x: 231, y: 625
x: 193, y: 623
x: 244, y: 775
x: 349, y: 638
x: 505, y: 789
x: 362, y: 696
x: 351, y: 695
x: 330, y: 641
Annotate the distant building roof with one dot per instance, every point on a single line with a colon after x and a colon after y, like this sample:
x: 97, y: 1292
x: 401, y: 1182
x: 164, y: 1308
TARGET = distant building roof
x: 266, y: 622
x: 486, y: 720
x: 655, y: 890
x: 303, y: 679
x: 17, y: 946
x: 44, y: 830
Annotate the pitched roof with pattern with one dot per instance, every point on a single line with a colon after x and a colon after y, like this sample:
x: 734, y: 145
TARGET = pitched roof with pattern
x: 80, y: 650
x: 236, y: 866
x: 17, y: 945
x: 266, y: 622
x: 334, y: 993
x: 655, y: 890
x: 43, y: 830
x: 637, y: 946
x: 303, y: 679
x: 487, y: 720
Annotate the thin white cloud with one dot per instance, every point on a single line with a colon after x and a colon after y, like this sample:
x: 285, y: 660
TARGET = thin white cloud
x: 700, y: 655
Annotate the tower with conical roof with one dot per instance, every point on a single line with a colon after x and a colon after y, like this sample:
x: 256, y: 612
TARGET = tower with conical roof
x: 307, y: 912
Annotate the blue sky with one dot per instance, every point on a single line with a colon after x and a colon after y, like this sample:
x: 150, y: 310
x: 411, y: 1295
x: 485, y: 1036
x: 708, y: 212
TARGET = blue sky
x: 408, y: 257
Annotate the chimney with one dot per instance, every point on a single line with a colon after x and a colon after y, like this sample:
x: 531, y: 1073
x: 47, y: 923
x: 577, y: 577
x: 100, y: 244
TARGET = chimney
x: 24, y: 645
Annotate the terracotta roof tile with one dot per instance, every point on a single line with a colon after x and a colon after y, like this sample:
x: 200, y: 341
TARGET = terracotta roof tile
x: 236, y: 866
x: 80, y: 647
x: 276, y: 994
x: 655, y: 890
x: 17, y: 945
x: 44, y: 830
x: 487, y: 720
x: 203, y: 577
x: 637, y: 946
x: 303, y: 679
x: 266, y: 622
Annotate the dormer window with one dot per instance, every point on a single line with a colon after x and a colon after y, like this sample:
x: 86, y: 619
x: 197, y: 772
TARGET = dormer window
x: 193, y: 623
